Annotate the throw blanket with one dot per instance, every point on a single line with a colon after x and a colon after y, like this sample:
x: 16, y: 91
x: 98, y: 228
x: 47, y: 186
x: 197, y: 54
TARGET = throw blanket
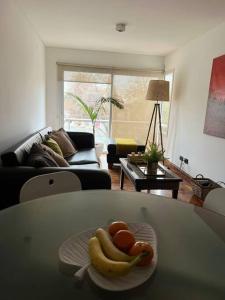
x: 125, y: 146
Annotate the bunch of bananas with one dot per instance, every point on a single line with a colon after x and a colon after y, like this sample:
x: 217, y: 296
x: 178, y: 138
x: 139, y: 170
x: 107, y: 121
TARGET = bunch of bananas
x: 107, y: 259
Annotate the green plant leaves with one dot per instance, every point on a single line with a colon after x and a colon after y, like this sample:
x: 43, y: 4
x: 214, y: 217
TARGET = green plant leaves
x: 114, y: 101
x: 153, y: 153
x: 88, y: 109
x: 92, y: 111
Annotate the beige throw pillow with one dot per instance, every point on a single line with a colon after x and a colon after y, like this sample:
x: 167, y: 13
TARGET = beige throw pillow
x: 58, y: 158
x: 64, y: 143
x: 67, y: 135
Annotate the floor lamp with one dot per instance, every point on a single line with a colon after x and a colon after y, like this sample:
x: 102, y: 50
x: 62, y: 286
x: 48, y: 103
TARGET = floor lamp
x: 158, y: 90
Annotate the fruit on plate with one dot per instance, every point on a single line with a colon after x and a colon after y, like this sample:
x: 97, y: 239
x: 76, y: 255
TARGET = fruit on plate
x: 142, y: 247
x: 116, y: 226
x: 106, y: 266
x: 110, y: 250
x: 124, y: 240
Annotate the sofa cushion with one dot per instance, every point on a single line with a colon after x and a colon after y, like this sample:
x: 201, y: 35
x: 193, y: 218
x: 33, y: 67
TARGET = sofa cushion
x: 86, y: 156
x: 91, y: 166
x: 64, y: 143
x: 82, y: 140
x: 38, y: 158
x: 53, y: 145
x: 58, y: 158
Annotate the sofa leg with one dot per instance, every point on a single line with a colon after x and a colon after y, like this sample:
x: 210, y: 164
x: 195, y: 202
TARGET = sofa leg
x: 110, y: 165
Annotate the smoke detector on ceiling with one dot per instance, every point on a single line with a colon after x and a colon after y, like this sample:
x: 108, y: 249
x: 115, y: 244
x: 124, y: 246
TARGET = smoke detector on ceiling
x: 121, y: 27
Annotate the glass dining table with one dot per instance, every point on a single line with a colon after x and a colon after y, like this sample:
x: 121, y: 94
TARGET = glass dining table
x: 191, y: 246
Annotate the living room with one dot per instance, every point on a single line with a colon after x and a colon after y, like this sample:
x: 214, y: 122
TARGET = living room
x: 40, y: 38
x: 31, y: 101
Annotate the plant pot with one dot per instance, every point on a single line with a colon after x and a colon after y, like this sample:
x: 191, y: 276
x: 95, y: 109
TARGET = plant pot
x: 152, y: 168
x: 99, y: 148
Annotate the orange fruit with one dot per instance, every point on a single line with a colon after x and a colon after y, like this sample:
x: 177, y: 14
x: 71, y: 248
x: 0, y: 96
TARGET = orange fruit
x: 140, y: 247
x: 116, y: 226
x: 124, y: 240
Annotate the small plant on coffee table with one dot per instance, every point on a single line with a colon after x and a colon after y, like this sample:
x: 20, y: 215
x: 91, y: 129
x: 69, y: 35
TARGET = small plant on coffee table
x: 152, y: 156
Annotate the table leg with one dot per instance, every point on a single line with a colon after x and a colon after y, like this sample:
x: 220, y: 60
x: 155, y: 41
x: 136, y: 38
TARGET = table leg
x: 121, y: 179
x: 110, y: 166
x: 137, y: 190
x: 175, y: 193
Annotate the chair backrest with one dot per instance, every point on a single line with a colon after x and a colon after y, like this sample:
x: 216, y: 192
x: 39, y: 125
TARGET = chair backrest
x: 49, y: 184
x: 215, y: 200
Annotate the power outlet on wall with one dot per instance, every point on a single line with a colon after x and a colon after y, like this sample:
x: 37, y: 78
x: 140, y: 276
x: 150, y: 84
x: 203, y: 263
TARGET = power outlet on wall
x: 186, y: 161
x: 183, y: 160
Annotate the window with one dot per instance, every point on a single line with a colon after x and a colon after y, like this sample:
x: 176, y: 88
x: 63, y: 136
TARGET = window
x: 89, y: 87
x: 90, y: 84
x: 133, y: 121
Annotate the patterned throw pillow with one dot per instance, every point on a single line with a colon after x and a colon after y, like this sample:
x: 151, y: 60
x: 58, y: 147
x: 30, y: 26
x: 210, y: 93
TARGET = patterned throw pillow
x: 64, y: 142
x: 58, y: 158
x: 38, y: 157
x: 53, y: 145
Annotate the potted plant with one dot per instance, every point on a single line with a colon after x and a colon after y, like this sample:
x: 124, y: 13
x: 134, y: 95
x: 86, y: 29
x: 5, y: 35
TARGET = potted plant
x: 152, y: 156
x: 93, y: 111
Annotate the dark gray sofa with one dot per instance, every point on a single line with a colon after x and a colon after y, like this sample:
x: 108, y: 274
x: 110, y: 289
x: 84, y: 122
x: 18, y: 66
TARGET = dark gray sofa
x: 14, y: 173
x: 113, y: 157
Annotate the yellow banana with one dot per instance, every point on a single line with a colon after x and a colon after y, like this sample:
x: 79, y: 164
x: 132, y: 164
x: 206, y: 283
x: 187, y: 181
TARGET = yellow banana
x: 110, y: 250
x: 106, y: 266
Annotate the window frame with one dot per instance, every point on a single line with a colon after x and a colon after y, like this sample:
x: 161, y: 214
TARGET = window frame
x: 169, y: 71
x: 62, y: 67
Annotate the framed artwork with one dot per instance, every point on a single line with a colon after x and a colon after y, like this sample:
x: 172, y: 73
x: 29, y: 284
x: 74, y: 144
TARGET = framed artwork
x: 215, y: 112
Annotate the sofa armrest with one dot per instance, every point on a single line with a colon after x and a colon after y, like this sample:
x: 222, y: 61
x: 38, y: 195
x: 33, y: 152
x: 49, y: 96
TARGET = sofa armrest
x: 82, y: 140
x: 13, y: 178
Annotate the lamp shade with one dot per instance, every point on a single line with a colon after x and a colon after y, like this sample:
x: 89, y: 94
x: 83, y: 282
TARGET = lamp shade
x: 158, y: 90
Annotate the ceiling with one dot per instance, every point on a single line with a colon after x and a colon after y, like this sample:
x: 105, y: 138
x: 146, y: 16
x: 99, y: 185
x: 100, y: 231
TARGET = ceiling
x: 155, y: 27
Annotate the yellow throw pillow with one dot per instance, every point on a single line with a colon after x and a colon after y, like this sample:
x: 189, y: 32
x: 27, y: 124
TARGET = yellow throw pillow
x: 64, y: 143
x: 53, y: 145
x: 58, y: 158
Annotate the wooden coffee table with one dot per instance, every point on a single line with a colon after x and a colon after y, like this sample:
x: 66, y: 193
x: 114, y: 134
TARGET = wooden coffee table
x: 142, y: 182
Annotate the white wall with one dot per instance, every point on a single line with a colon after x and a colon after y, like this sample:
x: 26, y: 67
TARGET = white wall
x: 192, y: 65
x: 86, y: 57
x: 22, y: 77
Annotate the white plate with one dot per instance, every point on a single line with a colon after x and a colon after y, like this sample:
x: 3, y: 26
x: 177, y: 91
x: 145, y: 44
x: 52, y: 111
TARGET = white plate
x: 73, y: 253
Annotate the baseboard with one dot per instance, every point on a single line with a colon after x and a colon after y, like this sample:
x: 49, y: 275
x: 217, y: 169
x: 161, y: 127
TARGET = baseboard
x: 185, y: 176
x: 200, y: 190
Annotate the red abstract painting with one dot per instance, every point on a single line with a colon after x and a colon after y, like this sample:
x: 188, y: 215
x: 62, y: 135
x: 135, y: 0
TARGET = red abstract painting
x: 215, y: 113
